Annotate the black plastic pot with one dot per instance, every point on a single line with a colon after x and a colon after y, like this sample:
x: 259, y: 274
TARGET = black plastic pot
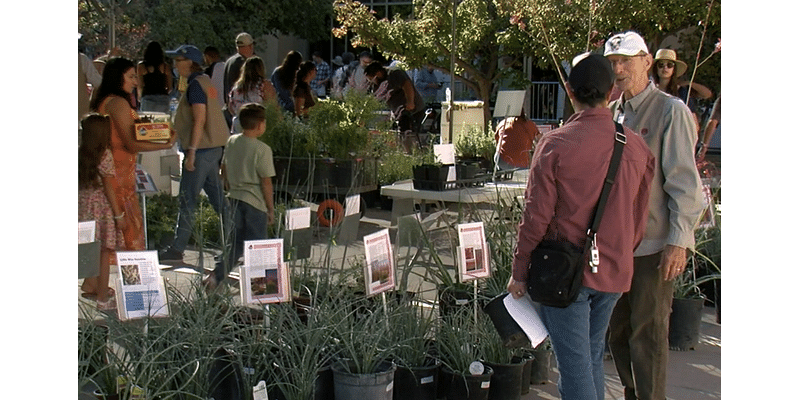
x: 525, y: 388
x: 508, y: 329
x: 684, y: 323
x: 323, y: 385
x: 506, y: 382
x: 225, y: 376
x: 467, y: 170
x: 452, y: 299
x: 416, y: 383
x: 457, y: 386
x: 374, y: 386
x: 540, y: 370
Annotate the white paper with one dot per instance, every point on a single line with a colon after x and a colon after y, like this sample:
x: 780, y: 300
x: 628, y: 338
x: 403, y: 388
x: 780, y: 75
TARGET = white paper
x: 298, y: 218
x: 445, y: 153
x: 473, y: 252
x: 379, y: 269
x: 264, y: 277
x: 524, y: 312
x: 352, y: 205
x: 142, y: 287
x: 87, y: 232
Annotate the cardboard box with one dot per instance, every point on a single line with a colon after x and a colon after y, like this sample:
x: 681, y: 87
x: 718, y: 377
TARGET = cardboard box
x: 153, y: 127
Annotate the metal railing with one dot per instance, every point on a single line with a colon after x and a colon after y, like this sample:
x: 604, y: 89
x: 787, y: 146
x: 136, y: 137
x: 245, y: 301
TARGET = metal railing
x: 546, y: 102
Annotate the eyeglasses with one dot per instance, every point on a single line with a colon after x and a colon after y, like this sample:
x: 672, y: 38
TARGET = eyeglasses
x: 669, y: 65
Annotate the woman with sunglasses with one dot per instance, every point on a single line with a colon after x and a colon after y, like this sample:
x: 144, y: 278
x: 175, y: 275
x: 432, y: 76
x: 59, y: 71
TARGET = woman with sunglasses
x: 666, y: 73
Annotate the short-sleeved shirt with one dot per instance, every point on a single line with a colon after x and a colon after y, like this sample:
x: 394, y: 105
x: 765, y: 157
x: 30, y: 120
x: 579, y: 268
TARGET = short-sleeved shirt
x: 194, y: 92
x: 247, y: 160
x: 397, y: 97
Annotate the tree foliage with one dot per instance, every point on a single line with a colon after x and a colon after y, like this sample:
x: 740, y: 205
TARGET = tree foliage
x: 550, y: 31
x: 212, y: 22
x: 482, y: 36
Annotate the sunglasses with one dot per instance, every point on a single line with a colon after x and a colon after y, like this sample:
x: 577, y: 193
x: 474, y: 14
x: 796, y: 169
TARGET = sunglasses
x: 666, y: 65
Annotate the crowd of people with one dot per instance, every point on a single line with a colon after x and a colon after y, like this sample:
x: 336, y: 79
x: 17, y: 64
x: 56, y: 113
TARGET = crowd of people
x: 643, y: 239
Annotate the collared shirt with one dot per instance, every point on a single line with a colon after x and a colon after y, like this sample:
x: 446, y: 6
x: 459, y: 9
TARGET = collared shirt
x: 568, y: 169
x: 676, y: 200
x: 323, y: 73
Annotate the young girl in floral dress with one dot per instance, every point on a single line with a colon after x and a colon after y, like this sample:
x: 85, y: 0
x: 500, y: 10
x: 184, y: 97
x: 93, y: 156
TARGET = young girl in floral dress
x: 97, y: 202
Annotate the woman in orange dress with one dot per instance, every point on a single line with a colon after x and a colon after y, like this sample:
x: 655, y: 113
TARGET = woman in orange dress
x: 114, y: 99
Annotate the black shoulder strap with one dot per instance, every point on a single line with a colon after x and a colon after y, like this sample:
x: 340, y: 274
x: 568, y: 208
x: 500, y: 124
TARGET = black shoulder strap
x: 619, y: 142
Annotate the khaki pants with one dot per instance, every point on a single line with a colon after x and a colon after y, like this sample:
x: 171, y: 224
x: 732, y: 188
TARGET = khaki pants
x: 639, y: 329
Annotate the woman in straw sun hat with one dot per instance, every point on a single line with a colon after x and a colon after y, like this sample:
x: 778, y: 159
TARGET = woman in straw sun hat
x: 666, y: 73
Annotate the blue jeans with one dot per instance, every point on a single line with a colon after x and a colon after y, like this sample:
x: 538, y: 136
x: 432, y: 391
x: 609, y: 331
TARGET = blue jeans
x: 249, y: 223
x: 578, y: 335
x: 155, y: 102
x: 204, y: 177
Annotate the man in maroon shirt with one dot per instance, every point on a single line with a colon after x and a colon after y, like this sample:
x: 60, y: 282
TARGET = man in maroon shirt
x: 568, y: 169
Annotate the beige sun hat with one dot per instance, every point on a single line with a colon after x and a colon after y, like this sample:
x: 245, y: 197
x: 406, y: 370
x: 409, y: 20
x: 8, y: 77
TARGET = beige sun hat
x: 670, y: 55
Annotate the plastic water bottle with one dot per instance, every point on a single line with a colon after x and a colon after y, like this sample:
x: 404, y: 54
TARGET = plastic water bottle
x: 173, y: 107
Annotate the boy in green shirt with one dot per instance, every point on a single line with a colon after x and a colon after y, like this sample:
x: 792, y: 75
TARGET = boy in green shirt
x: 247, y: 171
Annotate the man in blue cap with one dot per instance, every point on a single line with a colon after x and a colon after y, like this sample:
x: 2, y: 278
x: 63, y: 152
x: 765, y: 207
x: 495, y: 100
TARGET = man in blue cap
x: 202, y: 133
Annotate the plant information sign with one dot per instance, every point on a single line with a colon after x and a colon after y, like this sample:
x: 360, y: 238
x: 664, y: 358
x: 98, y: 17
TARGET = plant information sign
x: 265, y: 278
x: 140, y: 288
x: 379, y: 271
x: 473, y: 253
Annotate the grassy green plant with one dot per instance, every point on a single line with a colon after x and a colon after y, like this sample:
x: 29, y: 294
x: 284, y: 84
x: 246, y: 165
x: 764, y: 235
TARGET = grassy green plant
x: 703, y: 264
x: 412, y: 330
x: 395, y: 166
x: 361, y: 337
x: 475, y: 142
x: 341, y: 127
x: 301, y: 347
x: 456, y: 341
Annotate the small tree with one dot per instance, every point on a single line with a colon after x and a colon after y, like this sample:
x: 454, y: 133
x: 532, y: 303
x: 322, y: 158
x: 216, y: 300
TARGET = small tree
x: 482, y: 36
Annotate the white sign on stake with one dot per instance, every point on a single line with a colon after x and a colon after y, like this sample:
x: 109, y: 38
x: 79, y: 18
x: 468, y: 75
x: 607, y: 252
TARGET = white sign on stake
x: 352, y: 205
x: 298, y: 218
x: 379, y: 269
x: 140, y: 288
x: 264, y: 276
x: 473, y: 252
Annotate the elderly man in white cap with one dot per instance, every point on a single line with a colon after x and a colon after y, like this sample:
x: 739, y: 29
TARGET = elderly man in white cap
x: 245, y: 48
x: 638, y: 332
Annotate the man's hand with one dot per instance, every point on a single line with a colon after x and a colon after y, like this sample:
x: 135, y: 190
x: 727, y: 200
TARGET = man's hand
x: 673, y: 262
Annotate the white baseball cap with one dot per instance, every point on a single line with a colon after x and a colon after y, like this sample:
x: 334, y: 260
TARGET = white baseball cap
x: 626, y: 44
x: 244, y: 39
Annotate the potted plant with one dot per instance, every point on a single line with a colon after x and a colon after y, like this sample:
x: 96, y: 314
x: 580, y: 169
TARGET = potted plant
x: 362, y: 366
x: 463, y: 376
x: 507, y: 364
x: 301, y: 360
x: 688, y: 299
x: 412, y: 329
x: 476, y: 146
